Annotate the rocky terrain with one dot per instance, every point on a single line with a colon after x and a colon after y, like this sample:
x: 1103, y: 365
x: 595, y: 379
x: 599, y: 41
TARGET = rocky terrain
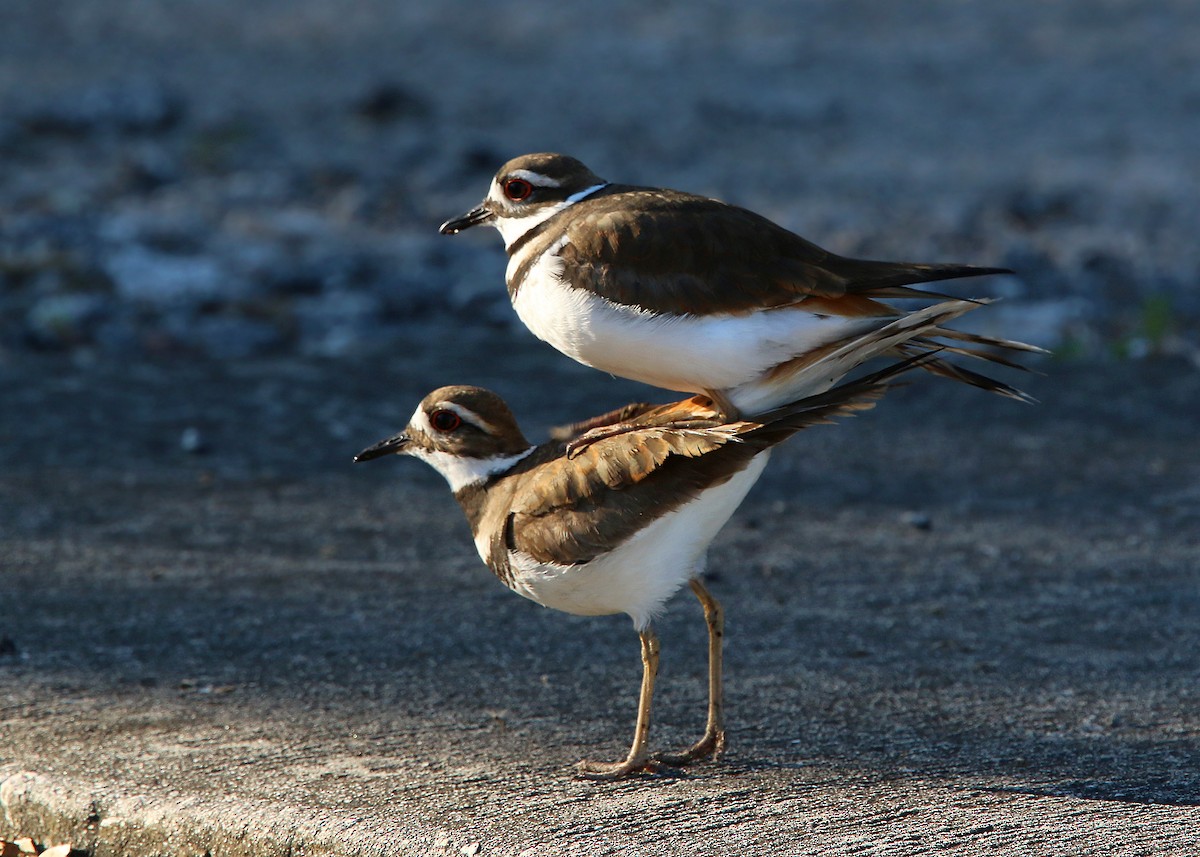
x: 197, y: 178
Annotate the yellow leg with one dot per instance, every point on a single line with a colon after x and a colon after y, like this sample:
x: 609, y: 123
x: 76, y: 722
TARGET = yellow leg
x: 712, y: 744
x: 638, y: 758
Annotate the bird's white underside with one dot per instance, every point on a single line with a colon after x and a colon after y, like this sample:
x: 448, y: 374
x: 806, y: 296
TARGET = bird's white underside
x: 691, y: 354
x: 639, y: 575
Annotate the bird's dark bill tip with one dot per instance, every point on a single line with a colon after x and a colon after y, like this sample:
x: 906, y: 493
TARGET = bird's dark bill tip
x: 385, y: 447
x: 474, y: 217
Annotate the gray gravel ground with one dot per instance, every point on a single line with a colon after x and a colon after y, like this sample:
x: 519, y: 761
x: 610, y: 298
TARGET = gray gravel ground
x: 956, y: 624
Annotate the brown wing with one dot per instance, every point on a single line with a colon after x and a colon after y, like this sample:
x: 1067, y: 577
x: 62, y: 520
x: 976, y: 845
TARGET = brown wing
x: 571, y: 510
x: 615, y: 487
x: 672, y: 252
x: 614, y: 462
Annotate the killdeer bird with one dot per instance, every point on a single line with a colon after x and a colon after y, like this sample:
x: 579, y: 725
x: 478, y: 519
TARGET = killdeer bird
x: 620, y: 523
x: 693, y: 295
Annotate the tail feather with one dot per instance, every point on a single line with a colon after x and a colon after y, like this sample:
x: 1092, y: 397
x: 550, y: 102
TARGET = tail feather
x: 844, y: 400
x: 866, y: 276
x: 975, y: 353
x: 911, y: 335
x: 989, y: 341
x: 907, y: 293
x: 954, y: 372
x: 816, y: 371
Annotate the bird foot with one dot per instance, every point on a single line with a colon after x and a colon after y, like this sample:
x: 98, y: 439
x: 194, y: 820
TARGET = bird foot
x: 609, y: 771
x: 712, y: 745
x: 614, y: 417
x: 591, y: 436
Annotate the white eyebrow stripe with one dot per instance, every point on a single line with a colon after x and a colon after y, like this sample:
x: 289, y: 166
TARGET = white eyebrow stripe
x: 536, y: 179
x: 469, y: 416
x: 421, y: 420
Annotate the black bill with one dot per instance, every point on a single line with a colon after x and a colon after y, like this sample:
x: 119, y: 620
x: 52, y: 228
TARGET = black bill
x: 395, y: 443
x: 474, y: 217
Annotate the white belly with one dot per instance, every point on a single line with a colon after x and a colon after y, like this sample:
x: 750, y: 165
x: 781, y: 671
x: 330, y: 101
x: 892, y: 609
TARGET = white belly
x: 690, y: 354
x: 643, y: 572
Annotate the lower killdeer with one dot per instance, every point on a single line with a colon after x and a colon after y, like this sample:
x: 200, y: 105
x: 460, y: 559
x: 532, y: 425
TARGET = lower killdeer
x: 619, y: 523
x: 690, y: 294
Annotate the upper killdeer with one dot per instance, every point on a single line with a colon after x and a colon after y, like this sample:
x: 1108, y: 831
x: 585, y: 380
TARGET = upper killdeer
x: 695, y: 295
x: 621, y: 522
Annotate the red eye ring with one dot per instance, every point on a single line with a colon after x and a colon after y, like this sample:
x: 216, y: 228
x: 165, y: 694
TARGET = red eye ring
x: 517, y: 189
x: 444, y: 420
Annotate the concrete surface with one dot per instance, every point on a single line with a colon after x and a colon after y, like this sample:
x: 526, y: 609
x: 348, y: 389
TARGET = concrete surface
x: 258, y: 648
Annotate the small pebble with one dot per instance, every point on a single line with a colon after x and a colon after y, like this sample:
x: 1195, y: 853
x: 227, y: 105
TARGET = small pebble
x: 192, y: 441
x: 917, y: 520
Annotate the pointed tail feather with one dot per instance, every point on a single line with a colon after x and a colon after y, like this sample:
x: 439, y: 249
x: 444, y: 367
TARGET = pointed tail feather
x: 954, y: 372
x: 844, y: 400
x: 974, y: 353
x: 887, y: 279
x: 989, y: 341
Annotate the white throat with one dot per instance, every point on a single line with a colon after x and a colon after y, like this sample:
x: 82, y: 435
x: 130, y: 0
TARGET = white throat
x: 460, y: 471
x: 512, y: 228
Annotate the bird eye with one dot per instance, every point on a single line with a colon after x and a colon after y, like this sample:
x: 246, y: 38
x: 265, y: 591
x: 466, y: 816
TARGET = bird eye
x: 445, y: 421
x: 517, y: 189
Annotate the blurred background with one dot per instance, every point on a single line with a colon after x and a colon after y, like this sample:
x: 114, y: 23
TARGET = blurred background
x: 233, y: 179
